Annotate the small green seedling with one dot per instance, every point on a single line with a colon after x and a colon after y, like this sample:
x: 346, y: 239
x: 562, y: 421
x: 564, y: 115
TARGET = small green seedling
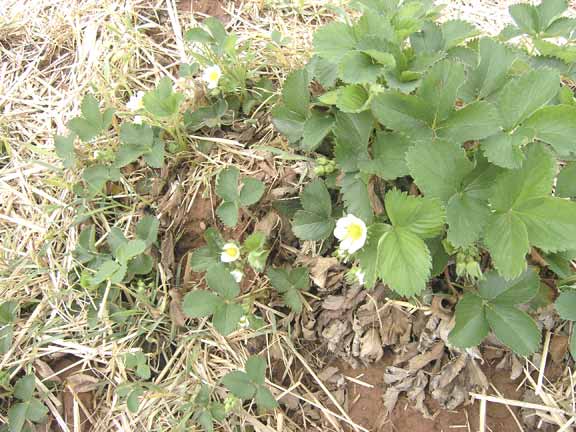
x: 29, y: 409
x: 220, y: 303
x: 494, y: 307
x: 290, y: 284
x: 251, y: 384
x: 92, y: 122
x: 235, y: 197
x: 139, y: 362
x: 206, y: 410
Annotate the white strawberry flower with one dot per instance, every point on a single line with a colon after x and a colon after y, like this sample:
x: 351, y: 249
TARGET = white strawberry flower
x: 211, y: 76
x: 138, y: 120
x: 136, y: 102
x: 244, y: 322
x: 237, y: 275
x: 230, y: 253
x: 351, y: 231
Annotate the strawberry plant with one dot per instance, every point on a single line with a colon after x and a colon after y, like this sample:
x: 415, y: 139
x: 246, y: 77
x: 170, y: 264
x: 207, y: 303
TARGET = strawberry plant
x: 251, y: 383
x: 28, y: 409
x: 436, y: 135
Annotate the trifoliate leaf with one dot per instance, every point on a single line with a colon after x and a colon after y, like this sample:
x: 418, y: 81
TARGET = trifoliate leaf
x: 315, y: 130
x: 471, y: 324
x: 251, y: 192
x: 256, y: 369
x: 555, y: 125
x: 388, y: 156
x: 221, y: 281
x: 200, y: 304
x: 566, y: 182
x: 357, y: 67
x: 355, y: 195
x: 226, y: 317
x: 64, y: 146
x: 163, y: 101
x: 96, y: 177
x: 514, y: 328
x: 289, y: 283
x: 333, y: 41
x: 93, y: 122
x: 496, y: 289
x: 109, y: 270
x: 404, y: 261
x: 566, y: 305
x: 525, y: 94
x: 129, y: 250
x: 440, y: 87
x: 239, y: 384
x: 491, y: 73
x: 421, y: 216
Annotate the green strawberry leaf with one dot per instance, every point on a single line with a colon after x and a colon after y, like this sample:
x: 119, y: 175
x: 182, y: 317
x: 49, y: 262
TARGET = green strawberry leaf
x: 147, y: 229
x: 555, y: 125
x: 163, y: 101
x: 227, y: 184
x: 64, y: 146
x: 256, y: 369
x: 226, y: 317
x: 355, y: 195
x: 422, y: 216
x: 514, y: 328
x: 352, y: 134
x: 265, y: 399
x: 315, y: 221
x: 228, y: 213
x: 333, y: 41
x: 199, y: 304
x: 93, y: 122
x: 566, y: 182
x: 496, y: 289
x: 251, y: 192
x: 240, y: 384
x: 471, y: 324
x: 221, y: 281
x: 566, y: 305
x: 316, y: 128
x: 388, y: 156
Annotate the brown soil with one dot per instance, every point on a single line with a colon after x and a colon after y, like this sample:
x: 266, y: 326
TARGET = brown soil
x: 366, y: 407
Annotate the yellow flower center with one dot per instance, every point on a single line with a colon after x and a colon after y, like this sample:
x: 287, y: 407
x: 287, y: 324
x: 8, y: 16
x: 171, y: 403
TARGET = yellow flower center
x: 354, y: 232
x: 213, y: 76
x: 232, y: 252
